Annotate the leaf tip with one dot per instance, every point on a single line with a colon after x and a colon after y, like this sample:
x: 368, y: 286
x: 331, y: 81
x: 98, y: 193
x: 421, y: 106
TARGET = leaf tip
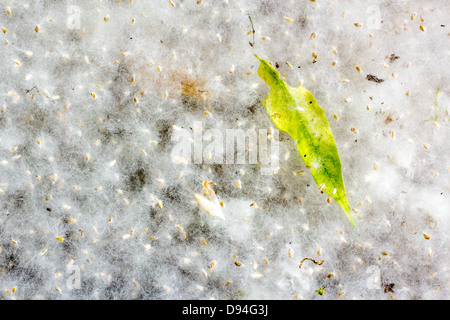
x: 349, y: 215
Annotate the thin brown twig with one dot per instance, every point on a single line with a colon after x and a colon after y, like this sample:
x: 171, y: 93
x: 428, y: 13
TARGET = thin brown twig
x: 310, y: 259
x: 253, y: 30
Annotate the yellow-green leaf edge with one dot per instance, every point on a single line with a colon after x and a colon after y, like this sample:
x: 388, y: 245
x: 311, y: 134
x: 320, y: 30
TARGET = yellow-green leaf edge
x: 295, y: 111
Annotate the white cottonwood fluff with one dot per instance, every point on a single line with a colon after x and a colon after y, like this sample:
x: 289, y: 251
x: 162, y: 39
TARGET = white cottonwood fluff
x: 93, y: 206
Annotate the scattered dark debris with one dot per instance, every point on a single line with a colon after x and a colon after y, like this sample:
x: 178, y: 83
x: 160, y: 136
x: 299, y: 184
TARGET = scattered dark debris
x: 393, y: 57
x: 277, y: 65
x: 389, y: 287
x: 373, y: 78
x: 172, y: 193
x: 253, y: 108
x: 49, y: 209
x: 303, y: 21
x: 137, y: 179
x: 389, y: 119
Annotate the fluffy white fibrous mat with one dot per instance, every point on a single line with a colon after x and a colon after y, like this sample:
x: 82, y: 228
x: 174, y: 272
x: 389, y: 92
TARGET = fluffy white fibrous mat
x: 110, y: 187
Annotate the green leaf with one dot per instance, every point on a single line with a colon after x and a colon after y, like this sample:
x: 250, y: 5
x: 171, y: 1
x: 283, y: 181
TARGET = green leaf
x: 295, y: 111
x: 321, y: 291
